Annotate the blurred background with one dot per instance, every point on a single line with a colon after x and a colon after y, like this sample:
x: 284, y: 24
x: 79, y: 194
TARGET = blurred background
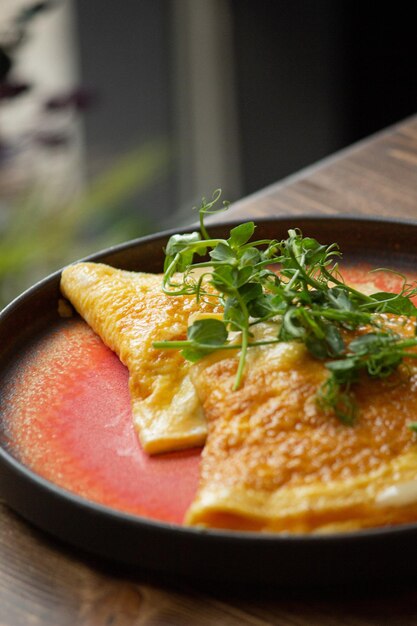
x: 116, y: 118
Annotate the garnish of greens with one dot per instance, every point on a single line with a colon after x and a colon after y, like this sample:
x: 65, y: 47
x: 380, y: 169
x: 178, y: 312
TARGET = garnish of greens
x: 307, y: 296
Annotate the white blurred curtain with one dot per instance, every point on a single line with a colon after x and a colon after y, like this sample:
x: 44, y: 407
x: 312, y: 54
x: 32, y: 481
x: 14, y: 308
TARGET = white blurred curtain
x: 205, y: 100
x: 47, y: 61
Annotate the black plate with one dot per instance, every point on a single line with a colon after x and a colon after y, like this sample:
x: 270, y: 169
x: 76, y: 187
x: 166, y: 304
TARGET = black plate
x: 187, y: 552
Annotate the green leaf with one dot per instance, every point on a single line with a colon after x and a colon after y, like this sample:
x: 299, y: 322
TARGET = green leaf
x: 195, y: 354
x: 345, y: 408
x: 224, y: 279
x: 337, y: 398
x: 179, y: 243
x: 263, y: 306
x: 234, y: 315
x: 250, y: 291
x: 209, y: 332
x: 383, y: 364
x: 339, y: 299
x: 241, y: 234
x: 244, y: 274
x: 334, y: 340
x: 394, y: 303
x: 342, y: 365
x: 314, y: 304
x: 370, y: 342
x: 317, y: 347
x: 181, y: 249
x: 224, y: 253
x: 251, y: 256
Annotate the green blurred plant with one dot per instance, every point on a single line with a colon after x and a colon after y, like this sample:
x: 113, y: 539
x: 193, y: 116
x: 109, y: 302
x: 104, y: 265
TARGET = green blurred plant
x: 38, y: 235
x: 37, y: 238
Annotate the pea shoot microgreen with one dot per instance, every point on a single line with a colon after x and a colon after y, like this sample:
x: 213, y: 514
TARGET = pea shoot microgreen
x: 307, y: 297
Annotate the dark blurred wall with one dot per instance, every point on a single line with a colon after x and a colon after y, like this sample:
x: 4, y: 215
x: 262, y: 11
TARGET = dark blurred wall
x: 310, y: 78
x: 380, y: 48
x: 124, y: 56
x: 290, y: 84
x: 313, y: 77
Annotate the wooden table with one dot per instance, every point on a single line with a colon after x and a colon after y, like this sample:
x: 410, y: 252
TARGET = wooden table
x: 43, y: 582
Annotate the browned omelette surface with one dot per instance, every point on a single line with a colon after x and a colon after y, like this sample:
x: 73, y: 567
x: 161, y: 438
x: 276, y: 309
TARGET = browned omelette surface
x: 274, y: 461
x: 129, y: 311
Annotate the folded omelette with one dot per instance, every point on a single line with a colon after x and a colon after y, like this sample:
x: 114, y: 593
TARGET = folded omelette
x: 129, y: 311
x: 272, y: 460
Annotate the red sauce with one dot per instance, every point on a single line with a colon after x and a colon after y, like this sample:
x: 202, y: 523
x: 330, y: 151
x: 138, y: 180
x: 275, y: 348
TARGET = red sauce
x: 67, y: 416
x: 69, y: 419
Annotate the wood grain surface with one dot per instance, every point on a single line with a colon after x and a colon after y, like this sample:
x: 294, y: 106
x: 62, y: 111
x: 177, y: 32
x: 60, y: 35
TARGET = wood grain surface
x: 45, y: 582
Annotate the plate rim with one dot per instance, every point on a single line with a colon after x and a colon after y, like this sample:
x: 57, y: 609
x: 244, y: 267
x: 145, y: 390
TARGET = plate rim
x: 235, y: 537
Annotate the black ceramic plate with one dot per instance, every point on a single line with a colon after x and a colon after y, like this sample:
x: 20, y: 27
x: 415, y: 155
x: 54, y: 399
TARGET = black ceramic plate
x: 168, y: 547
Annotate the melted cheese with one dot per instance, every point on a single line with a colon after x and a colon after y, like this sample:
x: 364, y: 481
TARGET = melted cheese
x: 273, y: 461
x: 129, y: 312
